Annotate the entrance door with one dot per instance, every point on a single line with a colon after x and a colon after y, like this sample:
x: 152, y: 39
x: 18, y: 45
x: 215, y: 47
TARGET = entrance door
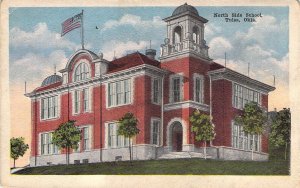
x: 179, y: 141
x: 177, y: 137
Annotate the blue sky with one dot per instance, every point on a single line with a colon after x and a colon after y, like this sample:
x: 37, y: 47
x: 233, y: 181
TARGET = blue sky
x: 36, y: 45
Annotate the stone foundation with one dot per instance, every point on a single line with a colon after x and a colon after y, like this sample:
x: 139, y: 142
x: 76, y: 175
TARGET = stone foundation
x: 144, y: 152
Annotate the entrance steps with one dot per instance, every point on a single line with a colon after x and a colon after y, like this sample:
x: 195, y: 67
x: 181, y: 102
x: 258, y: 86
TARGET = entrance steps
x: 183, y: 155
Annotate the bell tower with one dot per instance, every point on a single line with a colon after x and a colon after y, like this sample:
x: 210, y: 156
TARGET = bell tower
x: 185, y: 34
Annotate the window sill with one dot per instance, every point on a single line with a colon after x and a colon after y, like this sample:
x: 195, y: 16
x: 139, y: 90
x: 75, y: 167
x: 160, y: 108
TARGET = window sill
x: 50, y: 119
x: 121, y: 105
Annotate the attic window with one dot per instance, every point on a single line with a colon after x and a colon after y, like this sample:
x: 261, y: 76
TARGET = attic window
x: 82, y: 72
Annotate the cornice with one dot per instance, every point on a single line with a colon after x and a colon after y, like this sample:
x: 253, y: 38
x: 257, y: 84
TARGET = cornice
x: 144, y: 69
x: 234, y: 76
x: 186, y: 104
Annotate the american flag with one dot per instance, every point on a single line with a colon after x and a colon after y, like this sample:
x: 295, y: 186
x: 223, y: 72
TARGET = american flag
x: 71, y: 23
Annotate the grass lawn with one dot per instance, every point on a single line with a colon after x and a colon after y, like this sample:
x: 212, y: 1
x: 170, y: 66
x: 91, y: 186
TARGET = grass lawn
x: 165, y: 167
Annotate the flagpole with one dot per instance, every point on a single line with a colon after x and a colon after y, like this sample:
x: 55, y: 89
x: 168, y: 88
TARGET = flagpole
x: 82, y: 39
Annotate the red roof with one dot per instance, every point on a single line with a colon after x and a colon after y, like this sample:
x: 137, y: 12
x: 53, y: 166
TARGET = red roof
x: 215, y: 66
x: 42, y: 88
x: 129, y: 61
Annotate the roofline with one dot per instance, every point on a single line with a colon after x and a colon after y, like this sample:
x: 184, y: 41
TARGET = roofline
x: 225, y: 73
x: 198, y: 17
x: 76, y: 53
x: 102, y: 78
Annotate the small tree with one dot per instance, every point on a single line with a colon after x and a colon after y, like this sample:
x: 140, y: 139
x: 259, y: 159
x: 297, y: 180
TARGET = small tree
x: 128, y: 128
x: 253, y: 119
x: 281, y: 129
x: 202, y: 127
x: 17, y: 148
x: 67, y: 136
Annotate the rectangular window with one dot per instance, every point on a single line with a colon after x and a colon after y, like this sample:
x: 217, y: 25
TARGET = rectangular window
x: 156, y: 90
x: 155, y: 132
x: 77, y: 101
x: 115, y: 140
x: 47, y: 147
x: 49, y: 107
x: 242, y: 140
x: 243, y: 95
x: 86, y: 139
x: 176, y: 89
x: 198, y: 89
x: 85, y: 100
x: 119, y: 93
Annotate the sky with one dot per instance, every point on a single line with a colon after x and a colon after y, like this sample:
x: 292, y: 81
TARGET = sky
x: 35, y: 45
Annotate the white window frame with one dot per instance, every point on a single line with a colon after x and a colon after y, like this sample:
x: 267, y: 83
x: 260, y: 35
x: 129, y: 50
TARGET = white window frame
x: 112, y: 93
x: 241, y: 95
x: 159, y: 90
x: 81, y: 65
x: 158, y: 133
x: 51, y: 148
x: 53, y: 110
x: 181, y: 87
x: 118, y: 141
x: 242, y: 140
x: 81, y: 100
x: 76, y: 101
x: 201, y: 92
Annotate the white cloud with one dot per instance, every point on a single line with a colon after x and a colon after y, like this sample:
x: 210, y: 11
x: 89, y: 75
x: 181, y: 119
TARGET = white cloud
x: 121, y: 48
x: 34, y: 68
x: 135, y: 21
x: 40, y: 38
x: 218, y: 46
x: 211, y: 30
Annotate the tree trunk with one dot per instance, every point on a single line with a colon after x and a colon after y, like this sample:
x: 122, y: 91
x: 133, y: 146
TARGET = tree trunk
x: 285, y: 151
x: 130, y: 150
x: 66, y: 156
x: 14, y: 163
x: 205, y: 149
x: 252, y: 148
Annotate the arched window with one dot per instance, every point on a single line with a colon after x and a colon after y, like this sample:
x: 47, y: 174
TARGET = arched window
x: 81, y: 72
x: 177, y: 35
x: 196, y: 35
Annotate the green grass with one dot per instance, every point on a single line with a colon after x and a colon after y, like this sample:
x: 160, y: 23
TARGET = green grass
x: 166, y: 167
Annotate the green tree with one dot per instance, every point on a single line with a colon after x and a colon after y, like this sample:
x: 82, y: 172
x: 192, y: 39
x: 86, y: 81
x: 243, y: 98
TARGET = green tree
x: 17, y: 148
x: 281, y: 130
x: 67, y: 136
x: 128, y: 128
x: 202, y: 127
x: 253, y: 119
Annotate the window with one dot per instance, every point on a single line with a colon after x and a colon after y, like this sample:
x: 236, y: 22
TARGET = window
x: 243, y: 95
x: 119, y: 93
x: 85, y: 100
x: 86, y: 139
x: 155, y: 129
x: 198, y: 88
x: 47, y: 147
x: 49, y: 107
x: 244, y: 141
x: 156, y: 90
x: 176, y: 89
x: 81, y: 72
x: 196, y: 37
x: 115, y: 140
x: 77, y: 101
x: 177, y: 35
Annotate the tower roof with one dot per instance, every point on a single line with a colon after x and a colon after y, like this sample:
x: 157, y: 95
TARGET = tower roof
x: 185, y: 8
x: 51, y: 80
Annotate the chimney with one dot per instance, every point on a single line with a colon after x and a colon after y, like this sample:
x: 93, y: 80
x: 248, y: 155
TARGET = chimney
x: 150, y: 53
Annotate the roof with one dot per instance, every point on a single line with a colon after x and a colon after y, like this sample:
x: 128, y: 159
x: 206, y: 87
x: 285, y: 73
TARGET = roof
x: 185, y: 8
x: 51, y: 80
x: 46, y: 87
x: 129, y: 61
